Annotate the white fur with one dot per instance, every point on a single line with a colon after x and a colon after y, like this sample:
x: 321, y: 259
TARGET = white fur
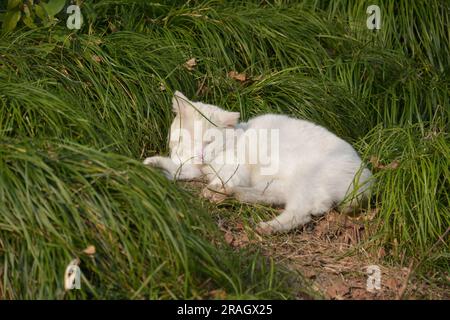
x: 317, y: 170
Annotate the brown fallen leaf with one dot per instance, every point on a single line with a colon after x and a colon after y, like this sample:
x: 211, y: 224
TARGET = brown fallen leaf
x: 236, y: 240
x: 392, y: 284
x: 337, y: 290
x: 218, y: 294
x: 241, y: 240
x: 229, y: 237
x: 308, y: 273
x: 190, y: 64
x: 378, y: 165
x: 360, y: 294
x: 239, y: 226
x: 90, y: 250
x: 237, y: 76
x: 393, y: 165
x: 96, y: 58
x: 381, y: 253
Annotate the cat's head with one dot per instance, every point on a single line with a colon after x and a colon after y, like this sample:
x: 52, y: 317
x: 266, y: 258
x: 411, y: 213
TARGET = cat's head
x: 193, y: 121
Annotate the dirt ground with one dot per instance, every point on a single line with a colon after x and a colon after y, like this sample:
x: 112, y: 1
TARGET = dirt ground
x: 328, y: 252
x: 333, y: 256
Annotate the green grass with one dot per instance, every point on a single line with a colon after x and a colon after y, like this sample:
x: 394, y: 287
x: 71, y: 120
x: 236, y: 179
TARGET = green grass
x: 413, y: 198
x: 152, y: 239
x: 79, y: 110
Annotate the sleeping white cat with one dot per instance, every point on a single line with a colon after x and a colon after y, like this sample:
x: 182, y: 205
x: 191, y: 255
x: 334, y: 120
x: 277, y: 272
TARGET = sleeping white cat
x: 315, y: 170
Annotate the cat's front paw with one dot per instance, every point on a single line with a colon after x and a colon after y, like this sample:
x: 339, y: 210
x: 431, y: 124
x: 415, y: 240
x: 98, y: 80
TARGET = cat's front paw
x: 264, y: 228
x: 215, y: 195
x: 152, y: 161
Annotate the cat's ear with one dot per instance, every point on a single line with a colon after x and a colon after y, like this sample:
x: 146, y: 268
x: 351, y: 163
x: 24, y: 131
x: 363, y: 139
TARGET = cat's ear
x: 179, y: 102
x: 229, y: 119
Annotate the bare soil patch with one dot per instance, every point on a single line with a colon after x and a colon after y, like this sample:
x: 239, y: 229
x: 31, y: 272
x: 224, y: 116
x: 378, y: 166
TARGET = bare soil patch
x: 332, y: 254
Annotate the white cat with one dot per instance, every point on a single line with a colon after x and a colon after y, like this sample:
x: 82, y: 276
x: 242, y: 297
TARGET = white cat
x: 315, y: 170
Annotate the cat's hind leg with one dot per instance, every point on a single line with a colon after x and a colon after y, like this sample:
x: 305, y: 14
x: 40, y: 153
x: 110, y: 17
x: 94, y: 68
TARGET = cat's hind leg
x: 303, y: 202
x: 286, y: 221
x: 256, y: 195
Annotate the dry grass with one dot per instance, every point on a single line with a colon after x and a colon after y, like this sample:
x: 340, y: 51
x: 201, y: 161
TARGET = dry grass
x: 331, y: 253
